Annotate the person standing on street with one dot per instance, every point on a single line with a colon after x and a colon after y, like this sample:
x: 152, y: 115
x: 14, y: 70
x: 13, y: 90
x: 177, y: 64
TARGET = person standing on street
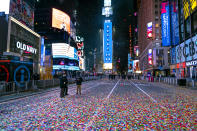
x: 63, y: 85
x: 78, y: 83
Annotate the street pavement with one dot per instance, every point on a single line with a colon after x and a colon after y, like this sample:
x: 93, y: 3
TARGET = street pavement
x: 104, y: 105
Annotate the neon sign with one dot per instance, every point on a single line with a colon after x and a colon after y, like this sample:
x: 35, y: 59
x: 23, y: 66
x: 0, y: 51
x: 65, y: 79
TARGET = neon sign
x: 4, y: 69
x: 26, y: 48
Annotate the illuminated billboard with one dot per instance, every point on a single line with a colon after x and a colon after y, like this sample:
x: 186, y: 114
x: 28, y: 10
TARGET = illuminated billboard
x: 5, y: 6
x: 150, y: 57
x: 174, y: 23
x: 107, y: 2
x: 23, y: 11
x: 136, y: 67
x: 130, y: 64
x: 81, y: 63
x: 107, y: 45
x: 165, y: 24
x: 60, y: 20
x: 150, y: 30
x: 63, y: 50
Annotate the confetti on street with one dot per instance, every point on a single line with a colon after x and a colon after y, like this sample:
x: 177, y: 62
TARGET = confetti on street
x: 126, y: 108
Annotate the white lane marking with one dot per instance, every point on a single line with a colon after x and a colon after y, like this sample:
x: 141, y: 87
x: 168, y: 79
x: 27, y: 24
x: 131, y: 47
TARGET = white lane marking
x: 144, y: 92
x: 112, y: 90
x: 151, y: 98
x: 99, y: 109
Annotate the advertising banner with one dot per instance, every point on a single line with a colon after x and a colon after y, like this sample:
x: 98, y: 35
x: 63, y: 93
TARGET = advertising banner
x: 149, y: 30
x: 23, y: 11
x: 187, y: 51
x: 136, y: 67
x: 130, y: 64
x: 173, y: 55
x: 5, y: 6
x: 63, y: 50
x: 23, y: 40
x: 60, y: 20
x: 107, y: 45
x: 174, y: 24
x: 165, y: 24
x: 150, y: 57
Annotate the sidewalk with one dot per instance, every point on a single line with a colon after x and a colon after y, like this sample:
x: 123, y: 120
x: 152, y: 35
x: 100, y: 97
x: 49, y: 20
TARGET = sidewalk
x: 29, y: 93
x: 14, y: 96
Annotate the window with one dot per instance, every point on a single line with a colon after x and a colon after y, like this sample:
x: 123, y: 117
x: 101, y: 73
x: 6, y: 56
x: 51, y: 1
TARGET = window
x: 181, y: 33
x: 187, y: 28
x: 156, y: 12
x: 194, y: 23
x: 157, y: 30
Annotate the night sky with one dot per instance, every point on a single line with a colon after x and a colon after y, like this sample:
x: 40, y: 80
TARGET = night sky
x: 90, y: 20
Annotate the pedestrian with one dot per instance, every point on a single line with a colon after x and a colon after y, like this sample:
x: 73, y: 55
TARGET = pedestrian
x: 63, y: 85
x: 78, y: 83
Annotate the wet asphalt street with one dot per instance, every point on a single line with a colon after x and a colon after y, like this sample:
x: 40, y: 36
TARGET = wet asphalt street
x: 105, y: 105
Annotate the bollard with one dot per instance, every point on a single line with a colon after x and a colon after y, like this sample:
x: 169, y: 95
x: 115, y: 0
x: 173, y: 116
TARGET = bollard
x: 26, y: 86
x: 193, y: 85
x: 13, y: 85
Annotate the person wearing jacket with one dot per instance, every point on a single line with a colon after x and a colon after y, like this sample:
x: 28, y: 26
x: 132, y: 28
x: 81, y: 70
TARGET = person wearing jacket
x: 78, y: 83
x: 63, y: 86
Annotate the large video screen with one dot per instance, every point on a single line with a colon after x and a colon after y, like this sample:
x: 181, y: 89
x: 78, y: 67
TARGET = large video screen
x: 165, y: 24
x: 107, y: 45
x: 5, y: 6
x: 23, y: 11
x: 60, y: 20
x: 63, y: 50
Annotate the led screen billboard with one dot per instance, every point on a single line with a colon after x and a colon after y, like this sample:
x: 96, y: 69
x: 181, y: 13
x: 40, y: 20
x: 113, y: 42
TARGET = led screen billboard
x: 150, y: 56
x: 150, y: 30
x: 174, y: 24
x: 63, y: 50
x: 5, y: 6
x: 23, y: 11
x: 107, y: 45
x: 60, y: 20
x: 130, y: 64
x: 165, y: 24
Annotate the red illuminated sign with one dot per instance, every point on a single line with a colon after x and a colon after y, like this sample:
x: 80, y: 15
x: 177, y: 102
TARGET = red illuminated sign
x: 4, y: 69
x: 149, y: 30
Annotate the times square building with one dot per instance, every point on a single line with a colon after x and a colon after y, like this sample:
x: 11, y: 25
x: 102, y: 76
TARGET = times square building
x: 184, y: 53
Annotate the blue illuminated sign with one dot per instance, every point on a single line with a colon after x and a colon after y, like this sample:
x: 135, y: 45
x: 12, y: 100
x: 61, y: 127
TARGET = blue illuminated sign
x: 165, y: 24
x: 174, y: 24
x: 107, y: 45
x: 42, y: 52
x: 65, y: 67
x: 21, y: 75
x: 130, y: 64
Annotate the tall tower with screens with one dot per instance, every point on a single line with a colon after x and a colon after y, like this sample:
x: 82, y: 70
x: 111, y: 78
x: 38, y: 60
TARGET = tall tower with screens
x: 107, y: 36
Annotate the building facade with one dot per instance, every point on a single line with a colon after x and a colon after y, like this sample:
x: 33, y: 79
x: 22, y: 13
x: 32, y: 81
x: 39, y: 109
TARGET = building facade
x: 153, y: 58
x: 184, y: 53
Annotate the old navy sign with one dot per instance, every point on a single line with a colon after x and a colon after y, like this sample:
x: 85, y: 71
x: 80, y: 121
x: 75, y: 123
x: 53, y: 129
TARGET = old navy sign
x: 26, y: 48
x: 165, y: 24
x: 187, y: 51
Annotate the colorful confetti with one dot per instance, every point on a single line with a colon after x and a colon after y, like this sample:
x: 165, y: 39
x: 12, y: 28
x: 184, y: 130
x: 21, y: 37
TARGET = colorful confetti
x: 127, y: 108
